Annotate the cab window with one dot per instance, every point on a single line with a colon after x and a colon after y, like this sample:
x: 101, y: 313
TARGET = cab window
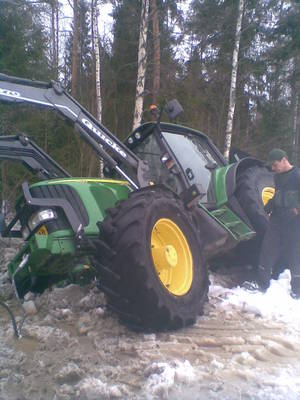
x: 197, y: 162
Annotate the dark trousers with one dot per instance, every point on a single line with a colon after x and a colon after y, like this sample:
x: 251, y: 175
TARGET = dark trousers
x: 281, y: 249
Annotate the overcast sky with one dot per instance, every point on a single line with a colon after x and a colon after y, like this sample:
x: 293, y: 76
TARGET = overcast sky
x: 105, y: 20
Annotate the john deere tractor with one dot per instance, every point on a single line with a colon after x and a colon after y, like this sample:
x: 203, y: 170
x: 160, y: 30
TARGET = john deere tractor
x: 148, y: 233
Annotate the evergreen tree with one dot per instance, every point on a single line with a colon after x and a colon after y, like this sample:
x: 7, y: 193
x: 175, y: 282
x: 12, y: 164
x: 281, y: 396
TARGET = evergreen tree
x: 23, y: 42
x: 23, y: 53
x: 124, y: 62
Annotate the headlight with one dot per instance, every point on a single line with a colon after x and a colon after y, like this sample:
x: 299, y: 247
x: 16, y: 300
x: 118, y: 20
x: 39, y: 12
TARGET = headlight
x: 40, y: 217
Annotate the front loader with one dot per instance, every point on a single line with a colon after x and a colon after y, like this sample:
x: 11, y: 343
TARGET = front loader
x: 171, y: 204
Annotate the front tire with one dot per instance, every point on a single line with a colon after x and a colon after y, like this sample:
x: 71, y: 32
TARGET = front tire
x: 160, y: 279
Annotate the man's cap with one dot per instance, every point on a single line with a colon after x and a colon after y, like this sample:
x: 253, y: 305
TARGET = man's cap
x: 276, y: 155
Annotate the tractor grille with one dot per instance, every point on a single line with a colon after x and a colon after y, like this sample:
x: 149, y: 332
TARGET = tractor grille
x: 63, y: 192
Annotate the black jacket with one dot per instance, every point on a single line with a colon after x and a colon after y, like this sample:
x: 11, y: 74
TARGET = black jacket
x: 287, y: 193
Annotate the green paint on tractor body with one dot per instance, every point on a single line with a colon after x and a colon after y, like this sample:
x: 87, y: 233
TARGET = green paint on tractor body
x: 53, y: 255
x: 97, y: 195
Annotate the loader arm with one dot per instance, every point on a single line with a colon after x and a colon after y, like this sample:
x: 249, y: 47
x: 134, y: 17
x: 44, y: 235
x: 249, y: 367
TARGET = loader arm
x: 52, y: 95
x: 21, y: 148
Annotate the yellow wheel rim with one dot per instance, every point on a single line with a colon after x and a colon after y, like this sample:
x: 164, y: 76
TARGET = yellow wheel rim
x: 172, y: 257
x: 267, y: 194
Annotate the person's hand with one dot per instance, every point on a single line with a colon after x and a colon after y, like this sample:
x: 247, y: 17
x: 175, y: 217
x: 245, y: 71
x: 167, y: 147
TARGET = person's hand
x: 291, y: 213
x: 269, y: 206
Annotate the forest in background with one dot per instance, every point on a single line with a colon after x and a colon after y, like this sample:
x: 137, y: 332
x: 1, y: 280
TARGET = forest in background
x: 186, y: 53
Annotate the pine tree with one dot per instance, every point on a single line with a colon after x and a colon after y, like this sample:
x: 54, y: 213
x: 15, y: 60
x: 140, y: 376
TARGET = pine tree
x: 124, y: 63
x: 23, y: 52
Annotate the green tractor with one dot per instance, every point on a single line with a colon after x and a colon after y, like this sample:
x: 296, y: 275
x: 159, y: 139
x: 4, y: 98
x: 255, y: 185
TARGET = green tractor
x: 147, y: 234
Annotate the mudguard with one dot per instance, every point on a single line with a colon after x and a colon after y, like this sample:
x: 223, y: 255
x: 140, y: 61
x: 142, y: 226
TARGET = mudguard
x: 225, y: 178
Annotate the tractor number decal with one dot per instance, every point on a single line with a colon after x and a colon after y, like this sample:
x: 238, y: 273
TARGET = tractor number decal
x: 103, y: 137
x: 9, y: 93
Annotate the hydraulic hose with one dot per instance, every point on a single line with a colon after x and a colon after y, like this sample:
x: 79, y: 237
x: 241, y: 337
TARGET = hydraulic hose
x: 12, y: 317
x: 17, y: 328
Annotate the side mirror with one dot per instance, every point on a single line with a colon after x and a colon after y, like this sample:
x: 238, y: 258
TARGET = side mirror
x: 211, y: 165
x: 2, y: 224
x: 173, y: 109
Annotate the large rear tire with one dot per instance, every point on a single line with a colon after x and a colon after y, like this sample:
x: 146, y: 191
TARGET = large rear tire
x: 255, y: 186
x: 158, y: 279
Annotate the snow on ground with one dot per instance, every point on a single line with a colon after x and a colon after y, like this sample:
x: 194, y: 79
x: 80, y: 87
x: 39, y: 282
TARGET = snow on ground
x: 276, y: 303
x: 245, y: 346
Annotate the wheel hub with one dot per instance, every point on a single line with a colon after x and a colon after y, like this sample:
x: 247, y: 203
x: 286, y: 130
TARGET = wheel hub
x: 164, y: 256
x: 267, y: 194
x: 172, y: 257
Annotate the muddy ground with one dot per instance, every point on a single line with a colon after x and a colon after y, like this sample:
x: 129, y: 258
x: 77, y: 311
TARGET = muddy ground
x: 73, y: 348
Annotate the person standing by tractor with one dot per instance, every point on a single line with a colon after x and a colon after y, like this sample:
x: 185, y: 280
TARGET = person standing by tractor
x: 281, y: 243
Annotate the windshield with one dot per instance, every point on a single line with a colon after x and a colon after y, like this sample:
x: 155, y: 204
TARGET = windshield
x: 197, y: 162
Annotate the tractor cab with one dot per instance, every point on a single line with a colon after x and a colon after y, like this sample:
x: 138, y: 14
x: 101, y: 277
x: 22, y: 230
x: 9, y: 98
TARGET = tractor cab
x: 187, y: 162
x: 178, y: 157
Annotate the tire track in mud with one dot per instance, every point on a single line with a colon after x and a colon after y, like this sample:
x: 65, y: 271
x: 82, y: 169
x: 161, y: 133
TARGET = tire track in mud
x: 227, y: 352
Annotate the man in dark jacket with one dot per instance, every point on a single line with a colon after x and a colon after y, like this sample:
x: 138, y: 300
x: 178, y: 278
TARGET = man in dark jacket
x: 281, y: 243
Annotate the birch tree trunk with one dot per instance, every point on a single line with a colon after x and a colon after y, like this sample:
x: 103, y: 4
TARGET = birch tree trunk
x: 54, y: 34
x: 142, y: 64
x: 97, y: 65
x: 53, y: 37
x: 57, y: 37
x: 234, y: 70
x: 156, y: 46
x: 74, y: 87
x: 97, y: 61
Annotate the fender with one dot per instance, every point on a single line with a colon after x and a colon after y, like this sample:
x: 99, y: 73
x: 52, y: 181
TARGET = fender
x: 225, y: 178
